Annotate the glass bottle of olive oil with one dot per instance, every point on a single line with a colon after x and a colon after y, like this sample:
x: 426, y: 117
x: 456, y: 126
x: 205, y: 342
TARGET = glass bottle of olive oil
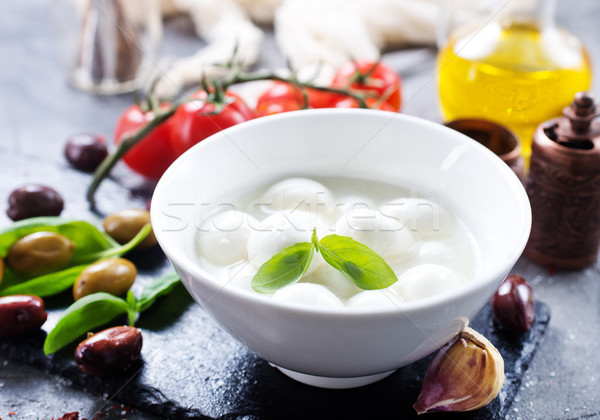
x: 518, y: 70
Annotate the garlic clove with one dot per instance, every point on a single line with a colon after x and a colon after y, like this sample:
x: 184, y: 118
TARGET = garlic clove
x: 513, y: 305
x: 466, y: 374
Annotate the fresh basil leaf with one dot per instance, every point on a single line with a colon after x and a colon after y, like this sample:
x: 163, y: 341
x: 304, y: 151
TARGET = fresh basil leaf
x: 86, y: 237
x: 116, y: 251
x: 46, y: 285
x: 283, y: 268
x: 132, y: 309
x: 82, y: 316
x: 357, y: 261
x: 159, y: 287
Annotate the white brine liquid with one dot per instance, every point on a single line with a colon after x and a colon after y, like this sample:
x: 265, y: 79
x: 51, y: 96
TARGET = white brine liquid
x: 429, y: 249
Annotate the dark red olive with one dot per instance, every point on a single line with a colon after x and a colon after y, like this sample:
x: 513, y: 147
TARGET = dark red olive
x: 513, y: 305
x: 110, y: 351
x: 34, y: 200
x: 21, y: 314
x: 85, y: 151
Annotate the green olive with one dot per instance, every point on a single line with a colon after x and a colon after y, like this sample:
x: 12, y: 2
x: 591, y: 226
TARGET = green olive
x: 123, y: 225
x: 40, y: 253
x: 110, y: 275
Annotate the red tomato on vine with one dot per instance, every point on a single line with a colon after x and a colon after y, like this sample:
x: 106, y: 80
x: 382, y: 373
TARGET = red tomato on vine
x: 152, y: 156
x: 284, y: 97
x: 204, y: 116
x: 372, y: 103
x: 371, y: 77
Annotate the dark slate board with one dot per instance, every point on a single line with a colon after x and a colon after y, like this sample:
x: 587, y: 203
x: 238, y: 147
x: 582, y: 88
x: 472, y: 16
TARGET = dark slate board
x: 190, y: 368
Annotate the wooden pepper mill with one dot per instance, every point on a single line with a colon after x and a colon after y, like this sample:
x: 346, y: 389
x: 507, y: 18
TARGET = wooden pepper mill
x: 564, y: 188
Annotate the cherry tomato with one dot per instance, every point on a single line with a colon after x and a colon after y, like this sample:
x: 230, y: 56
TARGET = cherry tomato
x: 152, y: 156
x: 372, y: 103
x: 284, y: 97
x: 280, y: 97
x: 198, y: 119
x: 370, y: 77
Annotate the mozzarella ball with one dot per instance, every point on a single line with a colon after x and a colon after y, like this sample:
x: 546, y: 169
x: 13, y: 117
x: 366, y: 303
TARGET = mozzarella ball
x: 349, y: 203
x: 309, y: 294
x: 435, y: 252
x: 376, y: 299
x: 297, y: 193
x: 426, y: 280
x: 424, y: 218
x: 384, y: 235
x: 240, y: 275
x: 281, y: 230
x: 335, y: 281
x: 223, y: 238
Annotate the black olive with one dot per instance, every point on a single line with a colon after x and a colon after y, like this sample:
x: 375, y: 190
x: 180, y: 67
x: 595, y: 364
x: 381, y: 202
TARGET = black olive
x: 85, y: 151
x: 34, y: 200
x: 21, y: 314
x: 110, y: 351
x: 513, y: 305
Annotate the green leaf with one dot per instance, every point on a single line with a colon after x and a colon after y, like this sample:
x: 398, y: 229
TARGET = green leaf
x: 132, y: 308
x: 82, y: 316
x: 283, y: 268
x: 90, y: 245
x: 357, y: 261
x: 46, y: 285
x: 117, y: 250
x: 159, y: 287
x: 86, y: 237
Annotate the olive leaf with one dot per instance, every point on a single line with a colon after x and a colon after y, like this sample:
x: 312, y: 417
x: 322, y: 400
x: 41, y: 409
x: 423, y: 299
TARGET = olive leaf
x: 85, y: 314
x: 100, y: 308
x: 159, y: 287
x: 46, y: 285
x: 283, y: 268
x: 357, y: 261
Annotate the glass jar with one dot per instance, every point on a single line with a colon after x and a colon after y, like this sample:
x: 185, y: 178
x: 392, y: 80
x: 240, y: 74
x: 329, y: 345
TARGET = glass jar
x: 508, y: 63
x: 108, y: 46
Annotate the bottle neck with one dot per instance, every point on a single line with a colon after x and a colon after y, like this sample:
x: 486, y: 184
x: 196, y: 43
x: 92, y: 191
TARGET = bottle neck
x: 536, y: 12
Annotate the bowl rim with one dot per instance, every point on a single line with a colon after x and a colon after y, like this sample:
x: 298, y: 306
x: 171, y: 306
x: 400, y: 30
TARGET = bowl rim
x: 466, y: 289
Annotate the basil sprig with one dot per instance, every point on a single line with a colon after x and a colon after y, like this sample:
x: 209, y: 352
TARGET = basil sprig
x: 367, y: 269
x: 90, y: 245
x: 97, y: 309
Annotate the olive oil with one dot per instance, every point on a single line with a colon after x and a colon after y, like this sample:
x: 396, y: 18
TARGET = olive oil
x: 514, y: 74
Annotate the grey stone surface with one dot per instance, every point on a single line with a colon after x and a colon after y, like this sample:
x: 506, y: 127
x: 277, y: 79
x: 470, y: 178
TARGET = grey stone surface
x: 38, y: 111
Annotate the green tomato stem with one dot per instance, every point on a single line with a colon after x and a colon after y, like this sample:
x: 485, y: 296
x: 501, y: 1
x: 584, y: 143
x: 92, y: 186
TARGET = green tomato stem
x: 127, y: 143
x: 243, y: 78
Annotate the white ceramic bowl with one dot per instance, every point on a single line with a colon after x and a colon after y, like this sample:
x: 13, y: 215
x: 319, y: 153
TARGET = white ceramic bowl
x: 343, y: 347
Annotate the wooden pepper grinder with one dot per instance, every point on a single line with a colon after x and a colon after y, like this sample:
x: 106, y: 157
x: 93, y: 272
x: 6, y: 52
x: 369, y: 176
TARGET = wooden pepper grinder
x: 564, y: 188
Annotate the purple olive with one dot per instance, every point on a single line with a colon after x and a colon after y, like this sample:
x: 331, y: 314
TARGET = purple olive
x: 110, y: 351
x: 34, y: 200
x: 513, y: 305
x: 85, y: 151
x: 21, y: 314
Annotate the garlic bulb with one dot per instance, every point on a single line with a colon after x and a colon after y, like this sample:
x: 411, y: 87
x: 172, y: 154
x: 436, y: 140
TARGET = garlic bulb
x: 466, y: 374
